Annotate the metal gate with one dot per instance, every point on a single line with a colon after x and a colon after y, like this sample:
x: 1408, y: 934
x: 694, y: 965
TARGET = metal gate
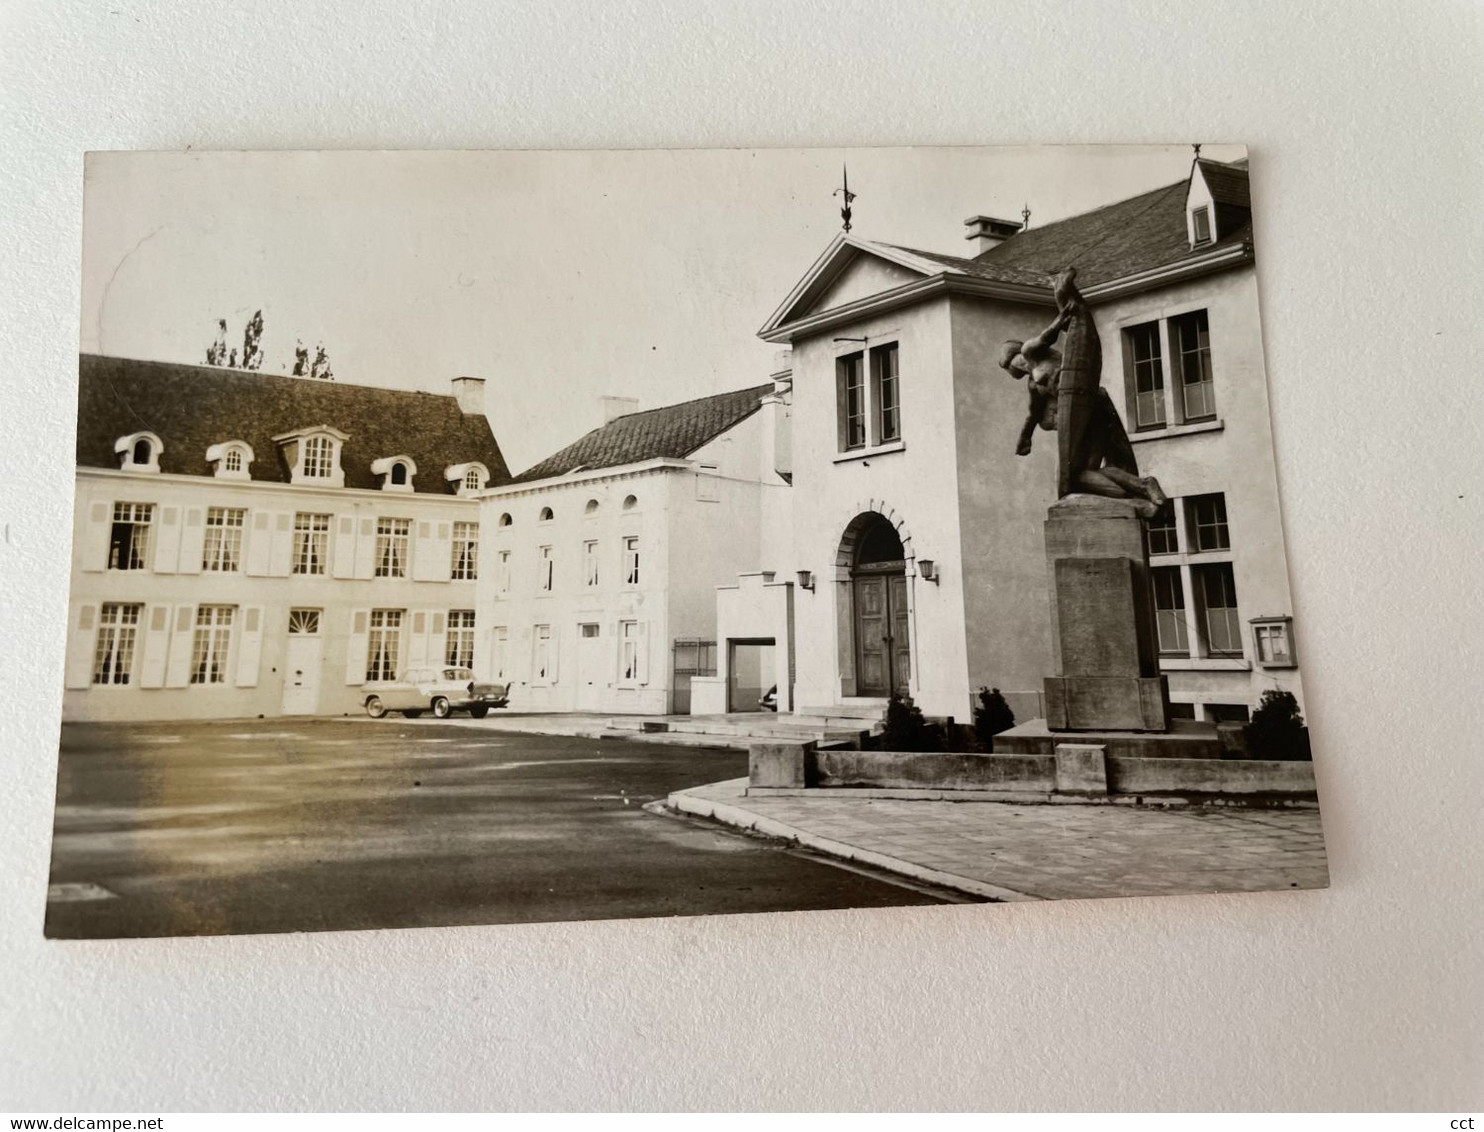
x: 691, y: 657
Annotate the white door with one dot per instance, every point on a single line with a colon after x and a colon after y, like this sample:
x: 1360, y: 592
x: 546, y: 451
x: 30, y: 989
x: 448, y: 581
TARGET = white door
x: 590, y: 683
x: 301, y: 663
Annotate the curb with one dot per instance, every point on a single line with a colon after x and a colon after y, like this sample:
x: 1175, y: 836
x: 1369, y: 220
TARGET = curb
x: 729, y: 814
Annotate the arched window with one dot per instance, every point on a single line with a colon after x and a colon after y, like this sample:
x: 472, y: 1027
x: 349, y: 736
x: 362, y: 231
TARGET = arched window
x: 473, y: 481
x: 142, y: 451
x: 546, y: 515
x: 505, y: 519
x: 630, y: 503
x: 591, y: 508
x: 319, y: 457
x: 232, y: 462
x: 399, y: 473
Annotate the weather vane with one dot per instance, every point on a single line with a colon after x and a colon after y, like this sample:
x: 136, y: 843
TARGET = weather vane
x: 1025, y: 216
x: 844, y: 191
x: 1197, y: 148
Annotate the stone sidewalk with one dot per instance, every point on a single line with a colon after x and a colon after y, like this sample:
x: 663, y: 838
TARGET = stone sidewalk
x: 1008, y: 851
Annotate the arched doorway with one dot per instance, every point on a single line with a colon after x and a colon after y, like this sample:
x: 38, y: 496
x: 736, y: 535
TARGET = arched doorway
x: 878, y: 627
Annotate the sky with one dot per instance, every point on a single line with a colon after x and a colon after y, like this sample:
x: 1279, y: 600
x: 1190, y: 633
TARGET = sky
x: 559, y: 277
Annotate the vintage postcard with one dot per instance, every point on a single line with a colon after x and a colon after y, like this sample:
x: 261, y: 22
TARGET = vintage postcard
x: 486, y: 538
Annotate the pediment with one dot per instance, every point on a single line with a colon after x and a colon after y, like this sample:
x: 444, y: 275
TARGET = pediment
x: 850, y: 270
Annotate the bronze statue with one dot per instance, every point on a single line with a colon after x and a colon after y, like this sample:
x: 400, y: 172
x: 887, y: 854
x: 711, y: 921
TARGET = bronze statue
x: 1067, y: 396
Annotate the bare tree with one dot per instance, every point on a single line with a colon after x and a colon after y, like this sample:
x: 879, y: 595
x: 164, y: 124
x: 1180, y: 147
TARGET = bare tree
x: 216, y: 353
x: 252, y: 334
x: 321, y: 367
x: 301, y: 359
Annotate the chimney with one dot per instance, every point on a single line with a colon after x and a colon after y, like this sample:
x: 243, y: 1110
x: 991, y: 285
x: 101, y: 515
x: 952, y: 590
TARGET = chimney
x: 469, y: 392
x: 615, y: 407
x: 988, y: 232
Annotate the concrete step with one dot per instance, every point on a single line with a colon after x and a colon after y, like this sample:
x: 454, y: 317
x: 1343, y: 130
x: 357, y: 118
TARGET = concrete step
x: 872, y: 709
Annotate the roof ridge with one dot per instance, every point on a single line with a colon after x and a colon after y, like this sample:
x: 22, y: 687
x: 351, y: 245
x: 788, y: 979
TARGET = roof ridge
x: 679, y: 404
x: 222, y: 371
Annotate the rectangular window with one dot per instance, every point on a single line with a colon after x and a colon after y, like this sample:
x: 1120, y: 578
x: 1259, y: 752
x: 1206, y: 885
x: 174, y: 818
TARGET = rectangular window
x: 1148, y: 375
x: 1207, y: 520
x: 628, y: 651
x: 590, y: 563
x: 460, y: 648
x: 1169, y: 611
x: 212, y: 643
x: 222, y: 551
x: 113, y: 655
x: 1192, y: 336
x: 589, y: 630
x: 1201, y: 222
x: 1217, y: 591
x: 391, y: 547
x: 1228, y: 713
x: 465, y: 566
x: 1163, y: 537
x: 851, y: 378
x: 541, y: 654
x: 319, y: 457
x: 545, y: 569
x: 384, y: 644
x: 502, y: 644
x: 887, y: 395
x: 1182, y: 711
x: 128, y: 545
x: 502, y: 572
x: 631, y: 561
x: 311, y: 542
x: 1270, y: 638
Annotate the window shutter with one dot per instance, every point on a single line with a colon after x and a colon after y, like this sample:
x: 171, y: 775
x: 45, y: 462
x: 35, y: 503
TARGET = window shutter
x: 251, y: 647
x: 156, y: 646
x: 80, y: 644
x: 283, y: 544
x: 641, y: 673
x: 442, y: 554
x: 178, y: 670
x: 92, y: 549
x: 345, y: 547
x: 355, y: 647
x: 418, y: 647
x: 192, y: 541
x: 366, y: 550
x: 259, y: 544
x: 438, y: 638
x: 167, y: 541
x: 555, y: 638
x: 422, y: 552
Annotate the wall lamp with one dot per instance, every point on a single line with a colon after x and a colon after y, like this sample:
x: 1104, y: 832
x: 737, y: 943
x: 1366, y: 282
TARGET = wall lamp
x: 806, y: 580
x: 928, y: 570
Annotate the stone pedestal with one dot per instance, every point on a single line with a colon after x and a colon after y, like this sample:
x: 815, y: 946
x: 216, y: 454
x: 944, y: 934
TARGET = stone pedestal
x: 1103, y: 635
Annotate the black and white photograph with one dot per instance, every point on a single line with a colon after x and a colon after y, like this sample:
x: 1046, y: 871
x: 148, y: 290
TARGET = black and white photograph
x: 470, y: 538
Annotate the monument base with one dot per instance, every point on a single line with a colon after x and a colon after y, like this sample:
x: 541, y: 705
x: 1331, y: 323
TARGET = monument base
x: 1107, y: 703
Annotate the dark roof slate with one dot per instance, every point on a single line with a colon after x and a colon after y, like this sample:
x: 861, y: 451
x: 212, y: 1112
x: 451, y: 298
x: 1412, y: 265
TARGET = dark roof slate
x: 191, y: 408
x: 1229, y: 184
x: 1120, y: 239
x: 674, y: 431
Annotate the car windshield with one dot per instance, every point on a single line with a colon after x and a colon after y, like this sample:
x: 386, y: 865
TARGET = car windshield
x: 457, y: 674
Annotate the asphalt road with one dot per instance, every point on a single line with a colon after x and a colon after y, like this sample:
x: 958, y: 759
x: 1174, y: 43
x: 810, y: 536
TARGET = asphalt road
x: 314, y: 825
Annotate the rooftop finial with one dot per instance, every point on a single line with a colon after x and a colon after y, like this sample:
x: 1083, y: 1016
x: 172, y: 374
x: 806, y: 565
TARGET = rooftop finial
x: 1025, y: 216
x: 844, y: 191
x: 1197, y: 148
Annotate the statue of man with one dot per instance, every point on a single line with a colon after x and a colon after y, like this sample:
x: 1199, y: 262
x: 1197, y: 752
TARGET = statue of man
x: 1066, y: 395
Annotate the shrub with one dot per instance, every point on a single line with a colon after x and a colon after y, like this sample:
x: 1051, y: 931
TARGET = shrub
x: 906, y: 729
x: 1277, y: 729
x: 991, y: 716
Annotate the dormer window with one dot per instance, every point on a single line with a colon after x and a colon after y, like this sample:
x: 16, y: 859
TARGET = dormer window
x: 233, y: 460
x: 313, y: 455
x: 468, y: 478
x: 396, y: 472
x: 141, y: 452
x: 1200, y: 223
x: 546, y: 515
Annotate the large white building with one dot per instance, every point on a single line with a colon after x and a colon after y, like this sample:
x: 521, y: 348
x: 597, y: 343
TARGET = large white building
x: 604, y: 558
x: 915, y: 560
x: 246, y: 544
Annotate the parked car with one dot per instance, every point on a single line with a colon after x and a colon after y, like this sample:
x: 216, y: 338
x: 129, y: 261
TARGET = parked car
x: 441, y: 691
x: 769, y: 702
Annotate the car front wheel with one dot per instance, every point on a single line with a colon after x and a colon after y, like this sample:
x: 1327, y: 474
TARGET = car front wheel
x: 375, y: 708
x: 441, y: 710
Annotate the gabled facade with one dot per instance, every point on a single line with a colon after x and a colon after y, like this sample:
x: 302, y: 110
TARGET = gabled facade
x: 242, y: 546
x: 916, y: 561
x: 603, y: 559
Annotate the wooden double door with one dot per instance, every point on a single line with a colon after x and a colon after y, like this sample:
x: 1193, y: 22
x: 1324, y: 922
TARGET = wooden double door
x: 883, y: 654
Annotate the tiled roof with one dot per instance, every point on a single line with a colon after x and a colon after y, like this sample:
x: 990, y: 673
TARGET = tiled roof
x: 1229, y: 184
x: 674, y: 431
x: 191, y: 408
x: 1125, y: 238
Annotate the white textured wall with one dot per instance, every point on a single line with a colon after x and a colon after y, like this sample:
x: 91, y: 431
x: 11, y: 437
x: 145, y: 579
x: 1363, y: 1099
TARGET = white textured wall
x: 1363, y: 120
